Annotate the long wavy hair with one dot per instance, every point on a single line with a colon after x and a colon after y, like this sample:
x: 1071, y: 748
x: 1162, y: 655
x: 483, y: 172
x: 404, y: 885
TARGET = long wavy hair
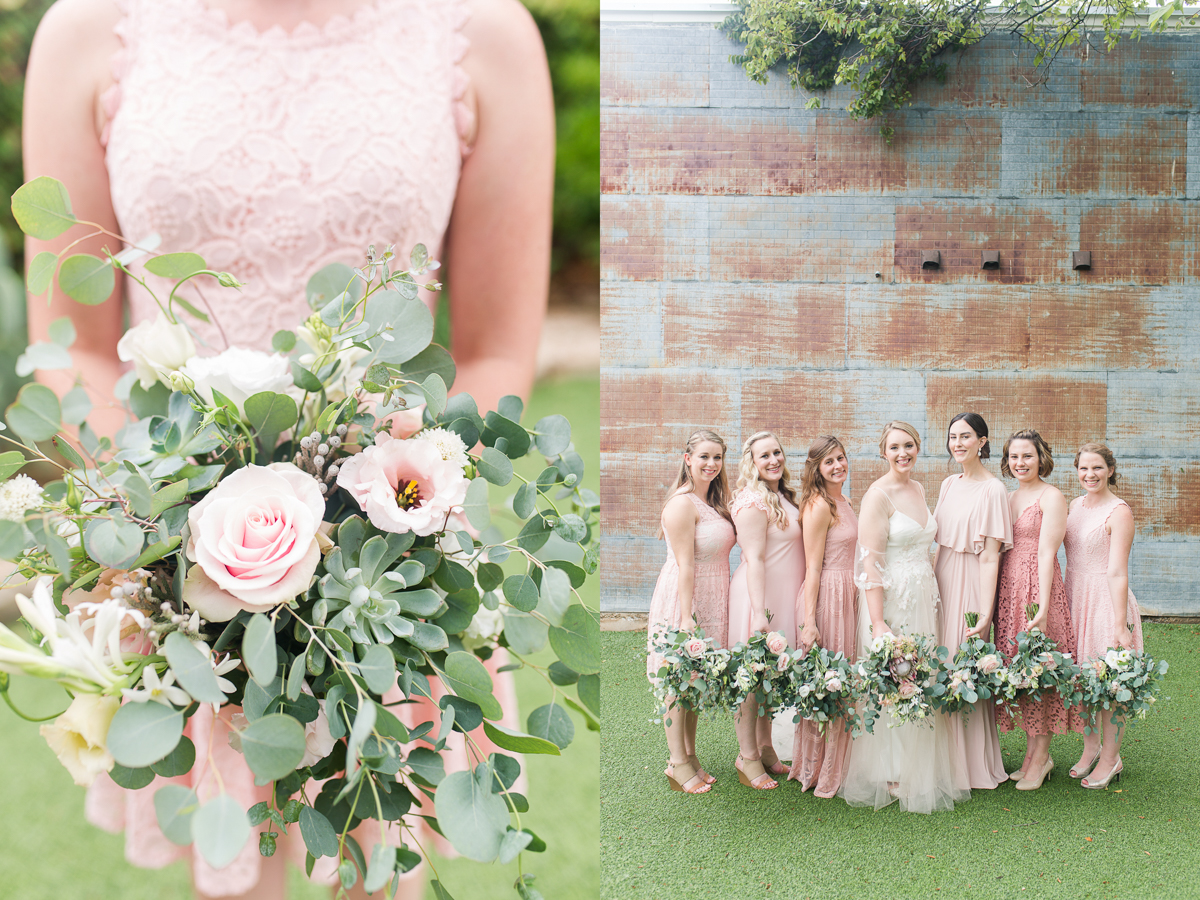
x: 748, y: 478
x: 718, y: 488
x: 813, y: 482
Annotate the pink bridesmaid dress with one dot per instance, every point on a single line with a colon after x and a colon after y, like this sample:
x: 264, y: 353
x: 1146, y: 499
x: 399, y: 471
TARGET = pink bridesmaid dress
x: 1019, y: 586
x: 268, y: 155
x: 784, y: 560
x: 710, y: 591
x: 819, y: 760
x: 967, y: 513
x: 1087, y: 545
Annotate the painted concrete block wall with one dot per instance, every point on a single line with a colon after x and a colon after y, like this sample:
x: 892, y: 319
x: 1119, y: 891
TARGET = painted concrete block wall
x: 762, y: 269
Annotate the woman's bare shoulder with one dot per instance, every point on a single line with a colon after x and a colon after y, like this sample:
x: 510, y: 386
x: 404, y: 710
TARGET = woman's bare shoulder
x: 501, y: 30
x: 75, y: 43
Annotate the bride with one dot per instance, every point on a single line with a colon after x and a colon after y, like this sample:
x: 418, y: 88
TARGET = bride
x: 898, y: 593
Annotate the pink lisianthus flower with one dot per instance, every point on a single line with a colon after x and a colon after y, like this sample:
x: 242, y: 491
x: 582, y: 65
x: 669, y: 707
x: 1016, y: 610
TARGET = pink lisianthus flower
x: 908, y: 689
x: 783, y: 662
x: 776, y: 642
x: 254, y: 541
x: 833, y: 685
x: 404, y: 485
x: 988, y: 664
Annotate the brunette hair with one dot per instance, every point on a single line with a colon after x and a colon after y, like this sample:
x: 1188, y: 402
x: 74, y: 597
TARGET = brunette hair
x: 975, y: 420
x: 897, y: 425
x: 1045, y: 459
x: 1101, y: 450
x: 748, y: 480
x: 813, y: 482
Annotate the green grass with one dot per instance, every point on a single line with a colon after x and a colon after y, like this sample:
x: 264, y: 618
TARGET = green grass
x: 49, y: 852
x: 1141, y: 838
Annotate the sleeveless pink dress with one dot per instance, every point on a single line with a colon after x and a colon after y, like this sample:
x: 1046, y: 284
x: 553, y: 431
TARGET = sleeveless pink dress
x: 1019, y: 586
x: 710, y: 590
x: 967, y: 513
x: 1087, y: 581
x: 784, y: 575
x: 819, y: 760
x: 271, y: 155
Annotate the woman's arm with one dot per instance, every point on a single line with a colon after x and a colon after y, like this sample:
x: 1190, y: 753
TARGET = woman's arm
x: 872, y: 540
x: 68, y: 70
x: 679, y: 523
x: 751, y: 525
x: 989, y: 571
x: 1054, y: 529
x: 1120, y: 526
x: 817, y: 519
x: 498, y: 242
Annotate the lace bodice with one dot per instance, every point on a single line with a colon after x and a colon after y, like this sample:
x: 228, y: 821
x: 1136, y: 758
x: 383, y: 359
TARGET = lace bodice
x: 1027, y: 531
x: 840, y: 539
x: 714, y: 537
x: 273, y: 154
x: 904, y: 570
x: 1087, y: 541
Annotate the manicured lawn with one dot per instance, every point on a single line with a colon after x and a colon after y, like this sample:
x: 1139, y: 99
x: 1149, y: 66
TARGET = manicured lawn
x: 49, y: 852
x: 1141, y: 838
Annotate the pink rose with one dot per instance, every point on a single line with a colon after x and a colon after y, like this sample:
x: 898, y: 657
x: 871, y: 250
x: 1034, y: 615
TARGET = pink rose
x: 783, y: 662
x: 833, y: 685
x: 1048, y: 661
x: 694, y: 648
x: 776, y: 642
x: 254, y: 541
x: 404, y: 485
x: 908, y: 689
x: 988, y: 664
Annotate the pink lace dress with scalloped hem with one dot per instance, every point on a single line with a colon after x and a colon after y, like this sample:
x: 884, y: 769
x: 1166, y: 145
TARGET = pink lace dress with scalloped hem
x: 273, y: 154
x: 1019, y: 586
x: 1087, y: 544
x: 784, y: 561
x: 710, y: 586
x: 819, y: 758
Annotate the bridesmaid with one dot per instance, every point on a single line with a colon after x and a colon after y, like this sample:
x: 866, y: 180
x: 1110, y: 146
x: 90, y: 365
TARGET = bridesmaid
x: 1104, y: 610
x: 767, y: 581
x: 1029, y: 573
x: 693, y: 586
x: 827, y: 604
x: 973, y: 528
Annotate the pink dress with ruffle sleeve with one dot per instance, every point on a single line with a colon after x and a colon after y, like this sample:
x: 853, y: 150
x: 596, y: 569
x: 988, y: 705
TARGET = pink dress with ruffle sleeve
x: 273, y: 154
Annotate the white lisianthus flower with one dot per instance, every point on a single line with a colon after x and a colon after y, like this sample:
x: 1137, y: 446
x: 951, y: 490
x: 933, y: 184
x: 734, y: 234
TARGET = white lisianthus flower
x: 805, y: 690
x: 484, y: 628
x: 78, y: 736
x: 18, y: 495
x: 1112, y: 659
x: 879, y: 643
x: 156, y: 349
x: 239, y: 374
x: 158, y: 690
x: 449, y: 444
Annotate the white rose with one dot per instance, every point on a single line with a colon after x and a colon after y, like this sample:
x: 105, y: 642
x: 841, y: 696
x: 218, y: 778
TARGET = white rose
x: 239, y: 374
x: 78, y: 736
x: 156, y: 349
x: 1112, y: 659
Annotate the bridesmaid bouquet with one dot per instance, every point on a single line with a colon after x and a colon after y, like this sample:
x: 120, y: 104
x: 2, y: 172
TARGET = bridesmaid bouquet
x: 758, y: 666
x: 821, y: 687
x: 897, y: 676
x: 691, y: 673
x: 305, y: 535
x: 1038, y: 667
x: 975, y: 672
x: 1123, y: 681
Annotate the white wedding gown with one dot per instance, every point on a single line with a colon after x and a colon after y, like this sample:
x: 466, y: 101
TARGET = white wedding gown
x: 909, y: 763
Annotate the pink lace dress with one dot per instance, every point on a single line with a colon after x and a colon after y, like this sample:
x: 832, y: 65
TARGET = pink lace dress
x: 784, y: 575
x: 273, y: 154
x: 1087, y: 544
x: 819, y: 759
x: 1019, y: 586
x: 710, y: 589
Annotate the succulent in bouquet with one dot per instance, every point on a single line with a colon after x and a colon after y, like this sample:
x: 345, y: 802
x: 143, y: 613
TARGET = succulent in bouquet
x: 975, y: 672
x: 265, y: 533
x: 690, y: 675
x: 821, y: 687
x: 897, y: 677
x: 1123, y: 682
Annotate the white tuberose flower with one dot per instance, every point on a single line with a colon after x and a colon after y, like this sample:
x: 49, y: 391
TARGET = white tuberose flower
x: 156, y: 349
x: 17, y: 496
x: 160, y: 691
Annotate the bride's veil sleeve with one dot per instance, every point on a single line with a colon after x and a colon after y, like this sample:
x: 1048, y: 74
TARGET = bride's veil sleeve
x: 870, y: 559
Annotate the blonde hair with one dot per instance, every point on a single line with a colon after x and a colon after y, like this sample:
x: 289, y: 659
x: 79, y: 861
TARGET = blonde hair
x: 748, y: 480
x: 1101, y: 450
x: 718, y: 488
x: 897, y: 425
x: 813, y: 482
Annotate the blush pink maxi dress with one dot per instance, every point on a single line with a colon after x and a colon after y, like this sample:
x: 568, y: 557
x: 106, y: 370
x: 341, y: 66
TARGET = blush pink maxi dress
x: 1088, y: 545
x: 1020, y: 586
x: 710, y: 590
x: 967, y: 513
x: 819, y: 759
x: 784, y: 560
x: 273, y: 154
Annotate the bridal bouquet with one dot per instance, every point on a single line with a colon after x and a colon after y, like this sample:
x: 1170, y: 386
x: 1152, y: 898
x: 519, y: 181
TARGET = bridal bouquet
x: 975, y: 672
x: 267, y: 534
x: 821, y: 687
x: 1123, y: 681
x: 758, y: 666
x: 690, y: 675
x: 1037, y: 667
x: 897, y: 677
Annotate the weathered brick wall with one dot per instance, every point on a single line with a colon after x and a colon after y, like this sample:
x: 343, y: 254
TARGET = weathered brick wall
x: 761, y: 269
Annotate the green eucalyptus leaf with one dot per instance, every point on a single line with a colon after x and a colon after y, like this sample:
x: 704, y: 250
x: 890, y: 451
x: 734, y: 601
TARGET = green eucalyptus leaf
x: 220, y: 829
x: 381, y: 868
x: 304, y: 379
x: 489, y: 575
x: 552, y: 723
x: 62, y: 332
x: 76, y: 406
x: 378, y: 669
x: 577, y: 640
x: 329, y: 282
x: 13, y: 540
x: 407, y: 322
x: 259, y: 650
x: 42, y: 208
x: 168, y: 496
x: 271, y: 413
x: 178, y: 762
x: 516, y: 438
x: 571, y: 528
x: 143, y: 733
x: 512, y: 844
x: 42, y: 356
x: 86, y: 279
x: 41, y: 273
x: 112, y: 542
x: 433, y: 359
x: 36, y: 415
x: 555, y: 595
x: 472, y: 817
x: 466, y: 676
x: 273, y: 746
x: 495, y: 466
x: 524, y: 633
x: 283, y: 341
x: 553, y: 435
x: 319, y: 836
x: 518, y: 742
x: 525, y: 500
x: 521, y: 592
x: 175, y: 265
x: 475, y: 505
x: 131, y: 779
x: 11, y: 462
x: 174, y: 806
x: 192, y: 668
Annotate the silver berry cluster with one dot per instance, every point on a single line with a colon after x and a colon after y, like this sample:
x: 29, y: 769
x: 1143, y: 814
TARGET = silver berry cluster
x: 315, y: 454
